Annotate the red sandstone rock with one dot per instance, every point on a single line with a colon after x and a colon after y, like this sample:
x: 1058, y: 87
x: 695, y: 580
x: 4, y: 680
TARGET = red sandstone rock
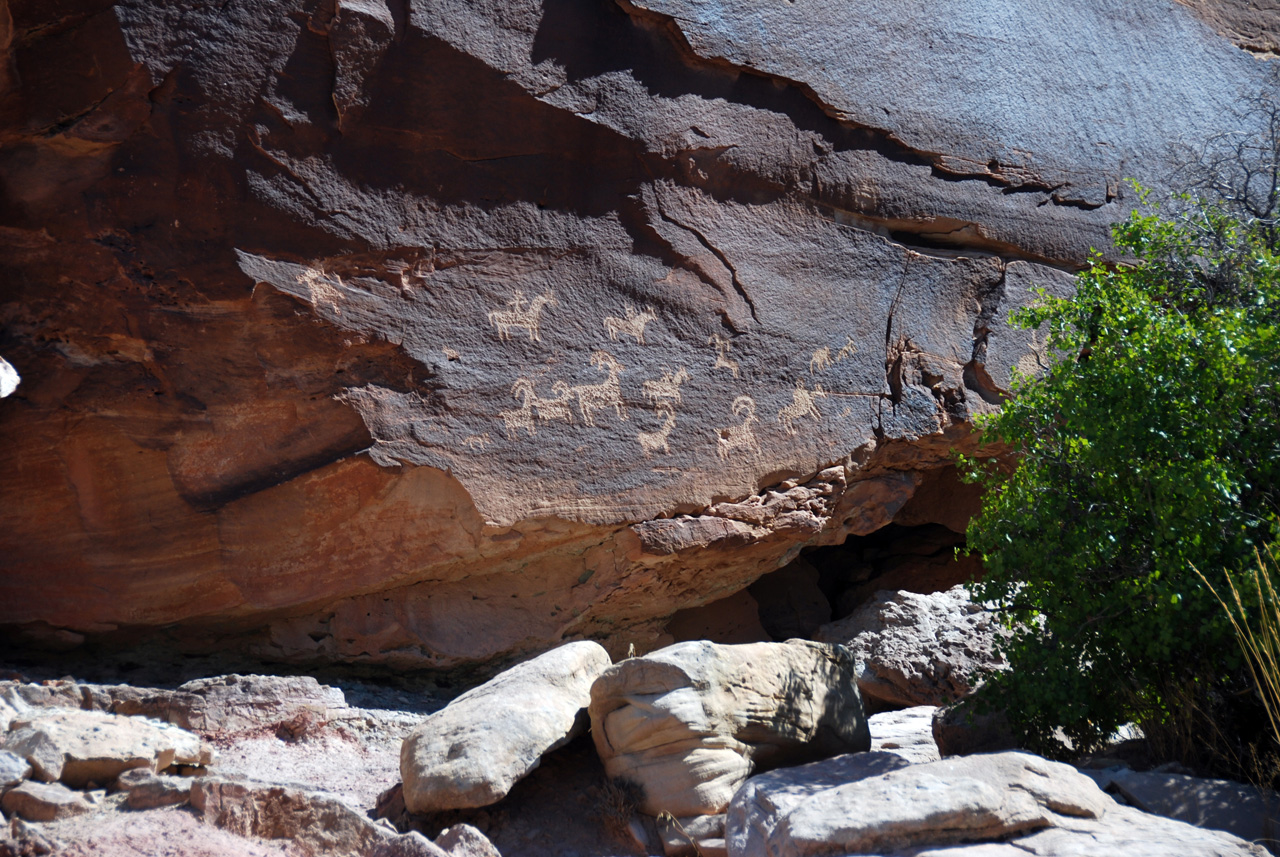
x: 434, y: 334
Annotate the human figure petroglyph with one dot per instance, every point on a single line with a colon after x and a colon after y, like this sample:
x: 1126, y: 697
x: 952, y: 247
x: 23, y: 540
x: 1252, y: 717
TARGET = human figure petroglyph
x: 723, y: 360
x: 666, y: 390
x: 741, y: 436
x: 632, y: 325
x: 802, y: 405
x: 517, y: 315
x: 593, y: 397
x: 652, y: 441
x: 477, y: 442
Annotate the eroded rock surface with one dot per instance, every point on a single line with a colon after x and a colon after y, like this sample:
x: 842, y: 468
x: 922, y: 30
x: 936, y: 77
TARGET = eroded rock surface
x: 431, y: 333
x: 688, y: 724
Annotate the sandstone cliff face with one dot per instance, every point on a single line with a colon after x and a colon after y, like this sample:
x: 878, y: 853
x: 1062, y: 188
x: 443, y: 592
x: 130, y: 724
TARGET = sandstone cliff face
x: 427, y: 332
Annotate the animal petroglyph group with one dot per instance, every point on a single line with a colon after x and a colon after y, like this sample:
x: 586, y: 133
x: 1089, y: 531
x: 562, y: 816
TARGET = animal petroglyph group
x: 594, y: 397
x: 723, y: 360
x: 741, y: 436
x: 632, y: 325
x: 653, y: 441
x: 822, y: 359
x: 802, y: 405
x: 518, y: 316
x: 666, y: 390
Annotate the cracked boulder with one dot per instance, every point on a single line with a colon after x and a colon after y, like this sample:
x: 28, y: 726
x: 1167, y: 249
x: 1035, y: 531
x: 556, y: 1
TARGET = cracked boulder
x: 431, y: 334
x: 690, y: 723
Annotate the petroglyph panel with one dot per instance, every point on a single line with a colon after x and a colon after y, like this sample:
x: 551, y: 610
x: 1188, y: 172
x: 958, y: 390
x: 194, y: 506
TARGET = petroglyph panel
x: 621, y: 428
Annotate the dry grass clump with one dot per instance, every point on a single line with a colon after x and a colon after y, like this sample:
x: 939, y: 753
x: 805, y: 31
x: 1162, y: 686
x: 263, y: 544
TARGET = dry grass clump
x: 1254, y: 611
x: 617, y: 801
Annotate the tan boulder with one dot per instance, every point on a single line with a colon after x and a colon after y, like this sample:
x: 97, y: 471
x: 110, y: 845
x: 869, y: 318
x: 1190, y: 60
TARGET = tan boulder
x: 44, y: 802
x: 473, y: 751
x: 972, y: 798
x: 689, y: 723
x: 80, y: 747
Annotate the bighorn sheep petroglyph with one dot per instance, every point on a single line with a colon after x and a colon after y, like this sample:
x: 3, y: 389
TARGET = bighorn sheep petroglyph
x: 802, y: 405
x: 593, y: 397
x: 741, y: 436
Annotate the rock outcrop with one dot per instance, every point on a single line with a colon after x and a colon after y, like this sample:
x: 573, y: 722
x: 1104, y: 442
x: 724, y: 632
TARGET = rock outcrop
x: 81, y: 747
x: 430, y: 333
x: 472, y: 752
x: 688, y: 724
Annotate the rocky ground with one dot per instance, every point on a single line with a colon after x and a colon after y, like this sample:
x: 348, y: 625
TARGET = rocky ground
x: 669, y: 762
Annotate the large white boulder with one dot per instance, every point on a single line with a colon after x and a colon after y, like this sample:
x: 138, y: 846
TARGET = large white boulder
x: 764, y: 799
x: 473, y: 751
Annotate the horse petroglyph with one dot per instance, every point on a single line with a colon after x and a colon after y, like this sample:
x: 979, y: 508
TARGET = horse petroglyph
x: 741, y: 436
x: 593, y: 397
x: 802, y: 405
x: 723, y: 360
x: 517, y: 315
x: 822, y: 359
x: 653, y: 441
x: 632, y: 325
x: 666, y: 390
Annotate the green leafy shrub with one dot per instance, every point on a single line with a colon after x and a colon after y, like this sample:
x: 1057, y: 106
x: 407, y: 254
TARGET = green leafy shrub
x: 1149, y: 447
